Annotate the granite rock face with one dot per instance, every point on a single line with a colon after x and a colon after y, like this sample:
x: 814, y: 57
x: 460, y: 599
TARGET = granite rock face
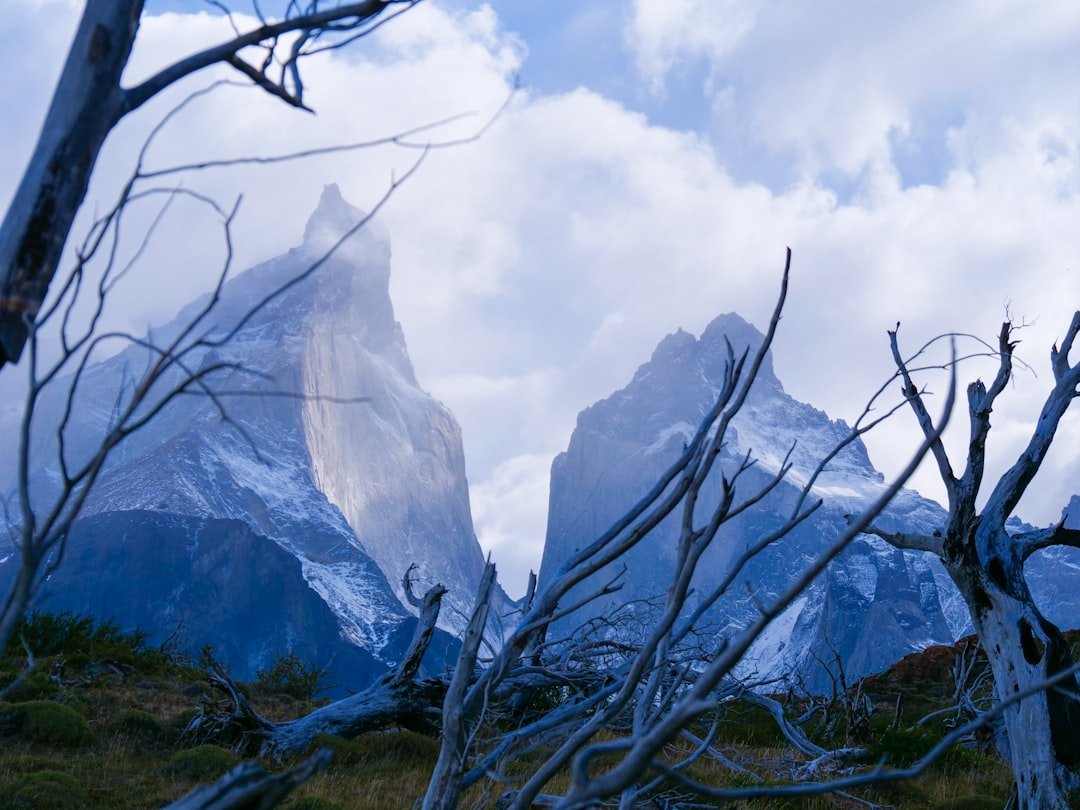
x: 873, y: 605
x: 331, y: 450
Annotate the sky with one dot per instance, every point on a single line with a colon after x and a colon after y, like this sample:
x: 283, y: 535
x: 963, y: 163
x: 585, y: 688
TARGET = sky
x: 921, y: 159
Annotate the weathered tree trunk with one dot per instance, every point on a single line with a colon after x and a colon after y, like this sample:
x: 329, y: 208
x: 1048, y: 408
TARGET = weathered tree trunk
x: 399, y: 698
x: 86, y: 105
x: 390, y: 702
x: 249, y: 787
x: 987, y: 564
x: 1024, y: 648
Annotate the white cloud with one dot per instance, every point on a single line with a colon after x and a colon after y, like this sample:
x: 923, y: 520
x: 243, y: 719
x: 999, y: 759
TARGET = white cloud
x: 535, y: 269
x: 508, y: 506
x: 838, y: 84
x: 667, y: 33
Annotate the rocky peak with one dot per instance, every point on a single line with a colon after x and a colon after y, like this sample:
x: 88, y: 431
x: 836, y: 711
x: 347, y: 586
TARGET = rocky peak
x: 1071, y: 513
x: 743, y: 336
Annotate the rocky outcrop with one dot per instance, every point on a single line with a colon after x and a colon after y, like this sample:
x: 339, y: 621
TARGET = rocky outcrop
x: 330, y: 450
x: 872, y: 606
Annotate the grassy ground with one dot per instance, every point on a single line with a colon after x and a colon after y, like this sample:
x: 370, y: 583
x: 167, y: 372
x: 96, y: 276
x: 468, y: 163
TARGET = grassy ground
x: 110, y: 735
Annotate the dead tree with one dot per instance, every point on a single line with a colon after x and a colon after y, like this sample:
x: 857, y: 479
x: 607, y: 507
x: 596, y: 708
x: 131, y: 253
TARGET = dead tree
x: 654, y: 690
x: 986, y: 561
x: 89, y: 102
x: 249, y: 787
x: 403, y: 697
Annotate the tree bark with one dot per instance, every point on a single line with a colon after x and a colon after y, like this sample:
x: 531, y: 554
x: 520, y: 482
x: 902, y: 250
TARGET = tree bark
x: 86, y: 105
x: 249, y: 787
x: 399, y: 698
x: 1024, y: 648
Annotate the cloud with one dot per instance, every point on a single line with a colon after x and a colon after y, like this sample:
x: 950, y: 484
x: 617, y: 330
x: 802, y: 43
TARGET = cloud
x: 839, y: 86
x: 509, y: 505
x: 665, y: 34
x: 535, y: 269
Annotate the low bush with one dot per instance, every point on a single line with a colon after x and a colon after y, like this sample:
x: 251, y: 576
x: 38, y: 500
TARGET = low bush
x: 202, y: 763
x: 138, y: 723
x: 45, y: 721
x: 43, y: 790
x: 288, y: 675
x: 81, y: 640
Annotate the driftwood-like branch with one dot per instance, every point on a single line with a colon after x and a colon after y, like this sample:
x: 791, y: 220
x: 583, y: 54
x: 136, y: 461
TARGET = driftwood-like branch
x: 1030, y: 542
x: 399, y: 698
x: 926, y: 423
x: 249, y: 786
x: 1013, y: 484
x: 909, y: 541
x: 356, y: 14
x: 980, y: 404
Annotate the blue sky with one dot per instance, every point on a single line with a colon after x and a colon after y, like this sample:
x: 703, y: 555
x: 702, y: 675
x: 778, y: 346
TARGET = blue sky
x: 922, y: 160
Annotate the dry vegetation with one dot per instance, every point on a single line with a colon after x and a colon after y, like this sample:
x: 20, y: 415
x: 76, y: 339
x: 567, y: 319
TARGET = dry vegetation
x: 99, y: 723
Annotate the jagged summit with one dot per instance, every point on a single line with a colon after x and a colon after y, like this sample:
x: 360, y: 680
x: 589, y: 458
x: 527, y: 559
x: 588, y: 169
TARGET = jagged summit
x: 873, y: 605
x: 667, y: 397
x: 356, y: 472
x: 333, y: 218
x: 1070, y: 515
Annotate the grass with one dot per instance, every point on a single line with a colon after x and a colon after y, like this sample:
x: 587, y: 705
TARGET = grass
x: 103, y: 737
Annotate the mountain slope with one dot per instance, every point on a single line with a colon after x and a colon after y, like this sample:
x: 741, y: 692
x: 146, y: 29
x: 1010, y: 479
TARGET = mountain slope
x: 330, y: 449
x: 873, y: 605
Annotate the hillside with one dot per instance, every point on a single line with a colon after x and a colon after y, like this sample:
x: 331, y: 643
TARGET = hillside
x: 100, y: 724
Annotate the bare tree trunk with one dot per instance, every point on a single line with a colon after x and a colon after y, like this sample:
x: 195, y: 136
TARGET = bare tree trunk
x: 987, y: 564
x: 399, y: 698
x: 1043, y: 730
x: 249, y: 787
x: 86, y: 105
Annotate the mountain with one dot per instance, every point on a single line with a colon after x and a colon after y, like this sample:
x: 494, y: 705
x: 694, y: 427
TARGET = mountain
x: 330, y: 451
x: 873, y: 605
x: 1054, y: 575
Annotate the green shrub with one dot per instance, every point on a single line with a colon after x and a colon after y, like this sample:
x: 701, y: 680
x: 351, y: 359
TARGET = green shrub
x: 179, y: 722
x: 139, y: 723
x: 43, y: 790
x: 36, y: 685
x: 80, y: 640
x: 346, y: 752
x: 202, y: 762
x: 902, y: 747
x: 288, y: 675
x: 45, y: 721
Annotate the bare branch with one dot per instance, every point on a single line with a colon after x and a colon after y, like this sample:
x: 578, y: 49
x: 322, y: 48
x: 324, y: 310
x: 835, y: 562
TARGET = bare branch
x: 1014, y: 483
x: 926, y: 423
x: 355, y: 13
x: 910, y: 541
x: 1030, y: 542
